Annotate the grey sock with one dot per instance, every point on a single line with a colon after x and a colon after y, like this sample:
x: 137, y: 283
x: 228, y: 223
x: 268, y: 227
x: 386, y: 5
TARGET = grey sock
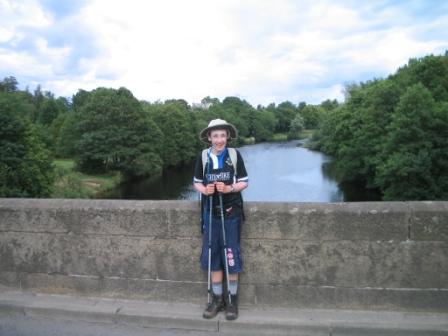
x: 233, y: 286
x: 217, y: 288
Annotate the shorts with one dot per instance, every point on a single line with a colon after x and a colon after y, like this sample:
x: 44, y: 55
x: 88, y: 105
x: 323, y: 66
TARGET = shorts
x: 232, y: 224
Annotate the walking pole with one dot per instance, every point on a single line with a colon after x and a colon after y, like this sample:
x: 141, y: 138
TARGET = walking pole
x: 225, y: 246
x: 209, y: 289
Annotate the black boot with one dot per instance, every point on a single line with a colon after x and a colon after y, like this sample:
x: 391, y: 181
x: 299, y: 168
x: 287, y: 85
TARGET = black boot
x: 214, y: 307
x: 232, y: 308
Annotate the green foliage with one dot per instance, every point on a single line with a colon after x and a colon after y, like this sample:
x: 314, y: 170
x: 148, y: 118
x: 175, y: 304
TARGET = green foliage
x: 109, y: 131
x: 67, y: 136
x: 239, y: 111
x: 79, y: 99
x: 280, y: 137
x: 285, y: 113
x: 9, y: 84
x: 415, y: 151
x: 177, y: 139
x: 297, y: 125
x: 48, y: 111
x: 312, y: 116
x: 328, y: 105
x: 114, y: 133
x: 431, y: 71
x: 263, y: 124
x: 391, y: 133
x: 17, y: 103
x: 38, y: 99
x: 72, y: 184
x: 25, y: 164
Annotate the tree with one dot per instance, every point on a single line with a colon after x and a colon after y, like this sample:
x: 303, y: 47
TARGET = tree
x: 79, y: 99
x: 48, y: 111
x: 9, y: 84
x: 38, y: 96
x: 115, y: 134
x: 297, y: 125
x: 285, y: 113
x: 25, y: 164
x: 206, y: 102
x: 178, y: 140
x: 312, y: 116
x: 329, y: 105
x: 359, y: 130
x: 238, y: 112
x: 301, y: 106
x: 67, y: 135
x: 416, y: 149
x: 181, y: 103
x: 263, y: 124
x: 431, y: 71
x: 391, y: 133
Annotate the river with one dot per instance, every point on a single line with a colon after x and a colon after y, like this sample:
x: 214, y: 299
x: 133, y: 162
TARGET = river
x: 279, y: 171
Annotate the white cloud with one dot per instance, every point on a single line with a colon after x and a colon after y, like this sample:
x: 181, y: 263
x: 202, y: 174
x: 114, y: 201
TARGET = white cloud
x: 15, y: 14
x: 262, y: 51
x: 16, y: 63
x: 23, y: 13
x: 387, y: 50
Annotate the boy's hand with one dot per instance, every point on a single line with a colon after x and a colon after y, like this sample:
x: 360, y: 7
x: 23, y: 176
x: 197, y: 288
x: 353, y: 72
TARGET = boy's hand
x: 221, y: 187
x: 209, y: 189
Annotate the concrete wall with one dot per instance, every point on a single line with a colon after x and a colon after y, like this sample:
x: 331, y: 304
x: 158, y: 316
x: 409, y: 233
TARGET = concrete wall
x: 309, y: 255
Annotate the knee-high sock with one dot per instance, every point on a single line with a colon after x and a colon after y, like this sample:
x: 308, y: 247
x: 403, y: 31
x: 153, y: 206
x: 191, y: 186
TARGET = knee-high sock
x: 233, y: 287
x: 217, y: 288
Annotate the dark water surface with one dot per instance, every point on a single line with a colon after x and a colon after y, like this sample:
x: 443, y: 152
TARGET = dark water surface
x: 279, y: 171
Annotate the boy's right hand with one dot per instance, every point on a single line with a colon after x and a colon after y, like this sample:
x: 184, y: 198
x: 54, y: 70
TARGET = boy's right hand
x: 209, y: 189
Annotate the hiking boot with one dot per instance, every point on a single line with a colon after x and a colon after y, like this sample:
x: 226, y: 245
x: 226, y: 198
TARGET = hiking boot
x: 214, y: 307
x: 232, y: 308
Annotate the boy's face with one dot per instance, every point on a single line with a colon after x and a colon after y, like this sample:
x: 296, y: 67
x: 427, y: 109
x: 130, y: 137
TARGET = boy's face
x: 218, y: 138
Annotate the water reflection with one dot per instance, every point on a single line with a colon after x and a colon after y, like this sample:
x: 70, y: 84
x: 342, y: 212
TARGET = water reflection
x: 286, y: 172
x: 277, y: 172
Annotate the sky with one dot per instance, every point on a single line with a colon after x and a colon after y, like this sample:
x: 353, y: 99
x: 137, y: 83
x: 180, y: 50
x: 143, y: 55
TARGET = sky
x: 263, y: 51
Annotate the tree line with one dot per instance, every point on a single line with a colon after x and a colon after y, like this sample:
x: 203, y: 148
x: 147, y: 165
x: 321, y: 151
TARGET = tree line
x: 108, y: 129
x: 392, y: 134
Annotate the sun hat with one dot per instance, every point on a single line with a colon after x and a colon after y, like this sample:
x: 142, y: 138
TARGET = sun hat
x: 218, y: 124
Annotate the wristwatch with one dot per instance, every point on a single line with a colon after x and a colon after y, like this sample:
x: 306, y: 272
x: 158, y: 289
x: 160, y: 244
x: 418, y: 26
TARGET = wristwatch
x: 232, y: 188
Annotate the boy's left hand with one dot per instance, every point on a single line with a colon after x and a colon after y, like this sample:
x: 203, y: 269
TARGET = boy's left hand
x: 220, y: 186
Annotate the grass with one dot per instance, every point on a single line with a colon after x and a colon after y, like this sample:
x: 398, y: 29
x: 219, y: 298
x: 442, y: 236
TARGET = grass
x: 307, y: 133
x: 280, y: 137
x: 248, y: 141
x: 64, y: 164
x: 73, y: 184
x: 98, y: 183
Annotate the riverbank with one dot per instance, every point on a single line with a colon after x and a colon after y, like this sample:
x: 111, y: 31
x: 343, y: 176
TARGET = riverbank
x: 306, y: 134
x: 307, y: 181
x: 73, y: 184
x: 280, y: 137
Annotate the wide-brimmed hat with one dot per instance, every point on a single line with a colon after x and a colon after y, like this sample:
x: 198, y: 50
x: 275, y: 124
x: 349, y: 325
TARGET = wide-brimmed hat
x: 218, y: 124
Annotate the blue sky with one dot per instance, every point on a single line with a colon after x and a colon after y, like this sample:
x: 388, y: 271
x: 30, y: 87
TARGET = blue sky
x: 263, y: 51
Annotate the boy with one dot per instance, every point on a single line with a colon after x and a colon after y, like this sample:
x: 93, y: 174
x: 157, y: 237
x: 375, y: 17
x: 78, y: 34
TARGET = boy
x: 220, y: 180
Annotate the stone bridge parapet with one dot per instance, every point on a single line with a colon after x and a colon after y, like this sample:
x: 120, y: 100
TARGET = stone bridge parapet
x: 374, y: 255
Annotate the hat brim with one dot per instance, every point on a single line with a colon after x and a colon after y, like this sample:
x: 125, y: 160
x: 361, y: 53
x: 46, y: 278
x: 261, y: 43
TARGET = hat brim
x: 233, y: 134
